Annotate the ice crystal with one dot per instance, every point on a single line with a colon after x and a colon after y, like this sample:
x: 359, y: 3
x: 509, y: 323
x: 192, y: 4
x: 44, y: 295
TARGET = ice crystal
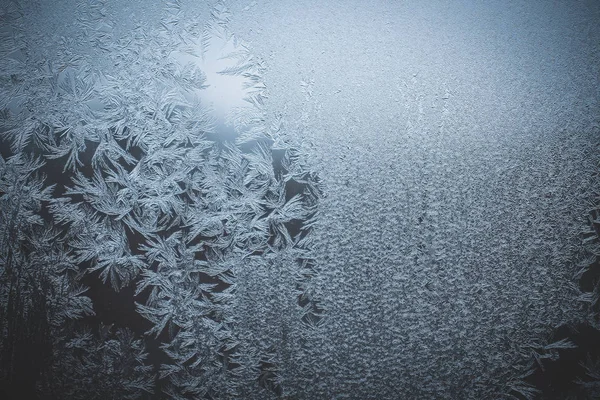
x: 142, y: 173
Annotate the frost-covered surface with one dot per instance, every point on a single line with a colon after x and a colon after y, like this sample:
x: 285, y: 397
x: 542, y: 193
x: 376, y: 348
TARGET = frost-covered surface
x: 121, y: 166
x: 395, y: 212
x: 457, y: 143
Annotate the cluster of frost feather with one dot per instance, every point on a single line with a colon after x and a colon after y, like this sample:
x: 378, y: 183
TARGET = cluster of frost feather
x: 115, y: 168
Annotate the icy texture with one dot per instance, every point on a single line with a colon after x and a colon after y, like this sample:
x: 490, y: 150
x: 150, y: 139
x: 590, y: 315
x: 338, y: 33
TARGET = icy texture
x: 457, y: 143
x: 119, y: 172
x: 381, y: 223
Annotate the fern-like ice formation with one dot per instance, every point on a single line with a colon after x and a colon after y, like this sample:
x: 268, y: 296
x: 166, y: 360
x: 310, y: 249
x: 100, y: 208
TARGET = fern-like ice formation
x: 126, y: 164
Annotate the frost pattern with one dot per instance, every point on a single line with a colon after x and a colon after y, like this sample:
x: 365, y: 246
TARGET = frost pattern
x: 118, y: 172
x: 156, y: 233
